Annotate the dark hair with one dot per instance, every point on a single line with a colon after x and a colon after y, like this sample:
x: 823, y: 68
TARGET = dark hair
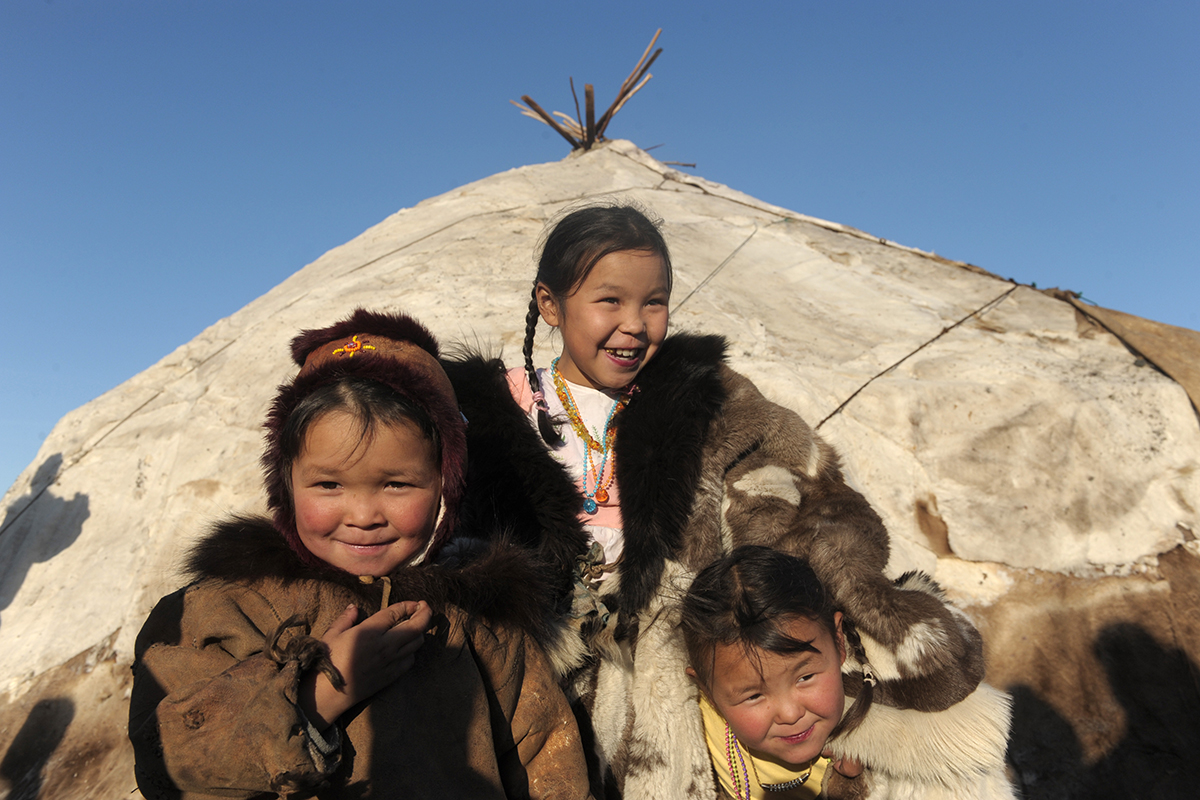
x: 368, y: 402
x: 576, y: 243
x: 746, y: 598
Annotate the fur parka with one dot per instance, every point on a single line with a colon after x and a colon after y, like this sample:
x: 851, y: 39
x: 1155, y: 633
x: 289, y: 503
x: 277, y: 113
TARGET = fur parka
x: 705, y: 463
x: 214, y: 709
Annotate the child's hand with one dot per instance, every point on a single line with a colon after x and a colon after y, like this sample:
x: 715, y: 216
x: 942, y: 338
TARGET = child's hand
x: 846, y: 766
x: 369, y: 655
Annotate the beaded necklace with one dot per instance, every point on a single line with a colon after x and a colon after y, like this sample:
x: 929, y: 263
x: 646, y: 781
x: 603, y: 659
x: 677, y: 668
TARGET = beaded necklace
x: 741, y: 781
x: 740, y: 774
x: 599, y: 491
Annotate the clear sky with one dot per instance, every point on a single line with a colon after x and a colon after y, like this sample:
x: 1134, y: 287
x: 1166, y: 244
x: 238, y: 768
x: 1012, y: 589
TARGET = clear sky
x: 164, y: 163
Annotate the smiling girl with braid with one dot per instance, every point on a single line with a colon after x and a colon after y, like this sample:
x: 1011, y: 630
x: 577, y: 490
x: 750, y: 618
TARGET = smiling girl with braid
x: 634, y: 460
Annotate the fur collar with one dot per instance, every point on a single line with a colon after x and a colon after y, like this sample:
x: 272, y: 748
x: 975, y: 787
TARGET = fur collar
x: 513, y: 481
x: 661, y: 435
x: 499, y: 582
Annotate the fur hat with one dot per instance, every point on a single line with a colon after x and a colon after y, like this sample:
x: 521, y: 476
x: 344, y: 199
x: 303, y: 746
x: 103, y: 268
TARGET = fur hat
x: 394, y: 350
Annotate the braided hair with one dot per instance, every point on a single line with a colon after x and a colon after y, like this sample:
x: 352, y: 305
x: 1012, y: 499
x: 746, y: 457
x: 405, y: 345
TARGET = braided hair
x: 572, y: 248
x: 746, y: 598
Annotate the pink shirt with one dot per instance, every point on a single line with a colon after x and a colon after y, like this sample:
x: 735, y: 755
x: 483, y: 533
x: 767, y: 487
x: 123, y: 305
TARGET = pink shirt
x: 605, y: 525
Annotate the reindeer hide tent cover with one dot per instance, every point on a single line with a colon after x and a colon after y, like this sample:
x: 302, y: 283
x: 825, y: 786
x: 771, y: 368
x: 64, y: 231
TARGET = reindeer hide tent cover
x: 1038, y: 456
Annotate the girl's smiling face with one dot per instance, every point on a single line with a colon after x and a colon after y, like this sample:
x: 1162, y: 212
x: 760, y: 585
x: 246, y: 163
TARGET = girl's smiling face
x: 365, y: 505
x: 783, y: 704
x: 613, y: 322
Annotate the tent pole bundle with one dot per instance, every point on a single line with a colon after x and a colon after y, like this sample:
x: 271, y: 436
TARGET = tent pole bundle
x: 582, y: 135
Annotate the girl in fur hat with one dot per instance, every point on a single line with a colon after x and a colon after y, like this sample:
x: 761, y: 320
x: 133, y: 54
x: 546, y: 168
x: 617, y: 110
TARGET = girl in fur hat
x: 637, y: 458
x: 323, y: 652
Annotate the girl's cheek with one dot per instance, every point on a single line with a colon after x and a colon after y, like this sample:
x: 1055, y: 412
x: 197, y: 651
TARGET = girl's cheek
x: 417, y: 514
x: 312, y: 514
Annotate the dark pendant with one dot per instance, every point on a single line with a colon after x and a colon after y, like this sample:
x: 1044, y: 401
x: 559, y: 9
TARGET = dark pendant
x: 589, y: 505
x: 792, y: 784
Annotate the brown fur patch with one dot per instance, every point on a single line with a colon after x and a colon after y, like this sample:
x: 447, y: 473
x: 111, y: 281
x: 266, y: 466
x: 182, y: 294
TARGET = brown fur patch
x: 1105, y: 681
x: 64, y: 737
x: 937, y: 532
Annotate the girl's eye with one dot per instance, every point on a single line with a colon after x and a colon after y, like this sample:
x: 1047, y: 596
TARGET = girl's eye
x: 328, y: 485
x: 396, y: 484
x: 805, y: 678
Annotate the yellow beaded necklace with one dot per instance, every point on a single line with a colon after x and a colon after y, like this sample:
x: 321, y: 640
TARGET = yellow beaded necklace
x: 603, y: 477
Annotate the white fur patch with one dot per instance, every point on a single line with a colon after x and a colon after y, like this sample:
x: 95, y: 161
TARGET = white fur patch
x: 903, y: 661
x: 567, y: 650
x: 921, y: 639
x: 988, y: 786
x: 879, y: 657
x: 814, y: 460
x: 770, y: 481
x: 726, y: 530
x: 919, y: 582
x: 610, y: 711
x: 666, y: 711
x: 956, y: 753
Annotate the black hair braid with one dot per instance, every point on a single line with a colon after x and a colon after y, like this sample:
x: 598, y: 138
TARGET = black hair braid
x: 549, y: 435
x: 862, y: 704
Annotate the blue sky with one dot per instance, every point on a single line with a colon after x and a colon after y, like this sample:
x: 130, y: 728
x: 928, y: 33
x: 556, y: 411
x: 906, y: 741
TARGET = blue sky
x: 164, y: 163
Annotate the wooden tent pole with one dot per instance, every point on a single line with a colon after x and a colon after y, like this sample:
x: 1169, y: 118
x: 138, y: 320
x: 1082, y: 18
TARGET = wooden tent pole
x: 592, y: 130
x: 550, y: 121
x: 578, y: 118
x: 589, y: 99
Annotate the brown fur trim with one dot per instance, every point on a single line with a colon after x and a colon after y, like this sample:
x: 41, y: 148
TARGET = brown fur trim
x: 512, y: 482
x: 501, y: 583
x: 938, y: 661
x: 838, y: 787
x: 662, y: 433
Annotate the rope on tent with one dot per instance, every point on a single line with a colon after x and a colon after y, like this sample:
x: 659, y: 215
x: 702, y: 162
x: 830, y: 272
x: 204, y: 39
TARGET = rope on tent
x: 717, y: 269
x: 582, y: 135
x: 982, y: 309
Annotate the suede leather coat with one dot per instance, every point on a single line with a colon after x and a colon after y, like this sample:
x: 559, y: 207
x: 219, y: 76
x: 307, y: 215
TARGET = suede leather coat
x: 214, y: 707
x: 705, y: 463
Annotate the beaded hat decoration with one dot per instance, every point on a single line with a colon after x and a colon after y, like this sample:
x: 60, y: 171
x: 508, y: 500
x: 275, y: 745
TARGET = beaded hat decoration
x: 394, y: 350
